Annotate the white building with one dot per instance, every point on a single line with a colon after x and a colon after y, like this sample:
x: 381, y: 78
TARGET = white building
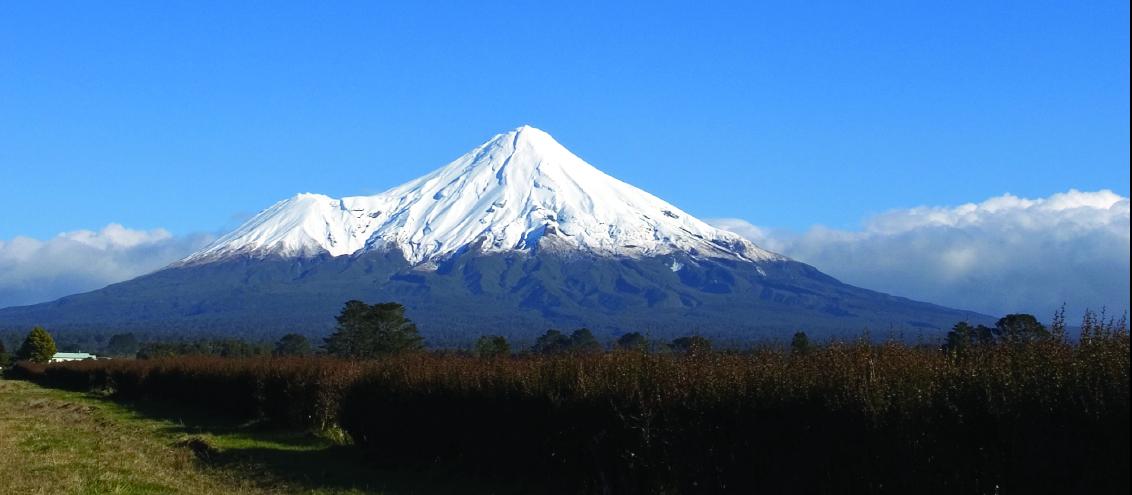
x: 71, y: 356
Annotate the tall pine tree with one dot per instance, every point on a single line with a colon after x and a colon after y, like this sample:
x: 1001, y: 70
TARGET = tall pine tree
x: 368, y: 331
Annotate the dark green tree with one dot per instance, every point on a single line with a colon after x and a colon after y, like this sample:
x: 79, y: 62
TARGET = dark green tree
x: 237, y: 348
x: 492, y: 346
x: 37, y: 347
x: 800, y: 343
x: 369, y: 331
x: 582, y: 341
x: 292, y: 344
x: 1020, y: 328
x: 5, y: 359
x: 122, y: 344
x: 691, y: 345
x: 984, y: 335
x: 632, y: 341
x: 962, y: 337
x: 551, y: 342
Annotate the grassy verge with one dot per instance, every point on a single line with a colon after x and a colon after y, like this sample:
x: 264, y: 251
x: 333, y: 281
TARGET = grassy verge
x: 62, y: 442
x: 55, y: 441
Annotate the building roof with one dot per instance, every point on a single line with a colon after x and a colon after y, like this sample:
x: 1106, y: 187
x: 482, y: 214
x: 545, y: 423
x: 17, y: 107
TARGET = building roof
x: 72, y: 355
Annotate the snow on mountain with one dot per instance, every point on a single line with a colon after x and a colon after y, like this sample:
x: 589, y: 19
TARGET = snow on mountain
x: 520, y: 191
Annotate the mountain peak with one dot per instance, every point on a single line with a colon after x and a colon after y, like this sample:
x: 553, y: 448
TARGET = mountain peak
x: 528, y: 146
x: 527, y: 134
x: 529, y: 131
x: 519, y: 191
x: 536, y: 138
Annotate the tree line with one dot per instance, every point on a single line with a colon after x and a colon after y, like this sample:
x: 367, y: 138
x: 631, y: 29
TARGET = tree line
x: 367, y: 331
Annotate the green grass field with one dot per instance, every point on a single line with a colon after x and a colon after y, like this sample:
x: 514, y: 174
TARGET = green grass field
x: 54, y: 441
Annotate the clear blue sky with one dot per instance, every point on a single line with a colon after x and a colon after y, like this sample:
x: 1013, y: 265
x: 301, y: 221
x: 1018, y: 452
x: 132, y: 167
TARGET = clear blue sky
x: 187, y: 115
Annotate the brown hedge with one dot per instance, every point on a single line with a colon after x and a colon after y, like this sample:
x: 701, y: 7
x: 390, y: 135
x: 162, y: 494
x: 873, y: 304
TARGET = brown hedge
x: 1042, y: 417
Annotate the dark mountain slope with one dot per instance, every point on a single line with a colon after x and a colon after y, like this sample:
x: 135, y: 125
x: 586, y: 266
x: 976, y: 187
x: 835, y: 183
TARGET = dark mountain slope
x: 515, y: 294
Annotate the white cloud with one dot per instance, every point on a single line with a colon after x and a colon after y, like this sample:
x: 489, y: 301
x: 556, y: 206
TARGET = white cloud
x: 1005, y: 254
x: 33, y: 270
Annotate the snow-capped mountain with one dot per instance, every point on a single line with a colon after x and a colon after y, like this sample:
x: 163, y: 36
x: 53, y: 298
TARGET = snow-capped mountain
x: 516, y: 236
x: 519, y: 191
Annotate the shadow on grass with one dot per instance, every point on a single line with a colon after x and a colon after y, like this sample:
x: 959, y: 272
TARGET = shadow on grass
x: 299, y: 459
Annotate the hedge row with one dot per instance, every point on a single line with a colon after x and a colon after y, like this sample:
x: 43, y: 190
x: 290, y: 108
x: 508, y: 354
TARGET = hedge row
x: 290, y: 392
x: 848, y: 419
x: 857, y: 418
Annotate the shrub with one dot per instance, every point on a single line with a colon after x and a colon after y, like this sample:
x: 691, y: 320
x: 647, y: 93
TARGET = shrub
x: 632, y: 341
x: 492, y: 346
x: 800, y: 343
x: 292, y: 344
x: 691, y: 345
x: 551, y: 342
